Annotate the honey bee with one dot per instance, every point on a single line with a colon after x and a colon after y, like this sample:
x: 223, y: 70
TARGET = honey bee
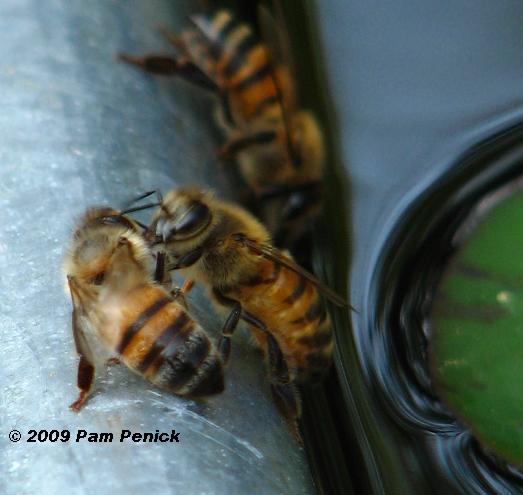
x: 230, y: 252
x: 278, y: 146
x: 120, y: 301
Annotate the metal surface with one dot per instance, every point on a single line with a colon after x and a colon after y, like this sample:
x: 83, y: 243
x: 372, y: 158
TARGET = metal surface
x: 78, y: 128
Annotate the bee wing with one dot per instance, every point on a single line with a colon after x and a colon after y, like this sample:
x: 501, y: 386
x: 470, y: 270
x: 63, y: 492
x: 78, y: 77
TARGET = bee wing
x: 283, y: 69
x: 80, y: 317
x: 273, y: 254
x: 278, y: 43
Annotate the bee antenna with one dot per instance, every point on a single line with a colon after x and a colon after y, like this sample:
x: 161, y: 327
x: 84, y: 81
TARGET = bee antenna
x: 144, y: 195
x: 140, y: 208
x: 137, y: 198
x: 142, y: 225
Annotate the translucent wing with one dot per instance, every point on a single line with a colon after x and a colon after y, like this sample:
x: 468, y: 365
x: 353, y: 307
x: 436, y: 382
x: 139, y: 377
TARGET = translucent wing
x: 283, y: 70
x: 278, y: 43
x: 80, y: 318
x: 273, y: 254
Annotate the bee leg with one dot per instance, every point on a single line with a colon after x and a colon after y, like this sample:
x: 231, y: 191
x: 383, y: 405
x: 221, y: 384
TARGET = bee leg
x: 187, y: 286
x: 159, y: 271
x: 178, y: 293
x: 284, y: 392
x: 224, y: 344
x: 287, y: 400
x: 162, y: 275
x: 188, y: 259
x: 279, y: 371
x: 84, y: 381
x: 168, y: 66
x: 155, y: 64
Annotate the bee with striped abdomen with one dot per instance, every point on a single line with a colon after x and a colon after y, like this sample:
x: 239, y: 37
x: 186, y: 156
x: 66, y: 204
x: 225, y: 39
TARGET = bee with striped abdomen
x: 277, y: 145
x: 227, y: 249
x: 122, y: 309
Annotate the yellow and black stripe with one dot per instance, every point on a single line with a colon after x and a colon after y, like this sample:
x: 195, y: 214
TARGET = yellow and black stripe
x: 241, y: 64
x: 294, y: 312
x: 167, y: 347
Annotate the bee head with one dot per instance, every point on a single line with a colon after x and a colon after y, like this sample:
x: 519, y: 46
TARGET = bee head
x: 95, y: 241
x: 183, y: 215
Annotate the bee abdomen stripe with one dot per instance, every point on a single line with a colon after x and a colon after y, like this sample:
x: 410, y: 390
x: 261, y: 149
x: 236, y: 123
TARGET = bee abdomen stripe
x: 163, y: 341
x: 226, y: 29
x: 258, y: 75
x: 260, y: 280
x: 265, y: 102
x: 137, y: 324
x: 317, y: 310
x: 239, y: 56
x: 298, y: 290
x: 213, y: 30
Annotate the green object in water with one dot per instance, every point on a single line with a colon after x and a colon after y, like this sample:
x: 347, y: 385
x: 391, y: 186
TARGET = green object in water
x: 477, y: 346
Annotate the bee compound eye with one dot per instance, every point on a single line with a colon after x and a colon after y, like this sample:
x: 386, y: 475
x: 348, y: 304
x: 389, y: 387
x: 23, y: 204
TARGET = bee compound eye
x: 190, y: 222
x: 193, y: 219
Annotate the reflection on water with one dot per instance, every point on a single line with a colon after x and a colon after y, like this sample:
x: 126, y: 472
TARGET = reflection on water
x: 396, y: 345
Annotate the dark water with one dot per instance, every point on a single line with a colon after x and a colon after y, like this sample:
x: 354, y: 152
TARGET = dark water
x: 410, y: 88
x: 396, y: 342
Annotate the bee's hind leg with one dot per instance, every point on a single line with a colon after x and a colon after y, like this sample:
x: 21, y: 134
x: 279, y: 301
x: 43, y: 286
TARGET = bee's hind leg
x: 284, y: 393
x: 283, y: 390
x: 153, y: 63
x: 85, y: 379
x: 163, y: 65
